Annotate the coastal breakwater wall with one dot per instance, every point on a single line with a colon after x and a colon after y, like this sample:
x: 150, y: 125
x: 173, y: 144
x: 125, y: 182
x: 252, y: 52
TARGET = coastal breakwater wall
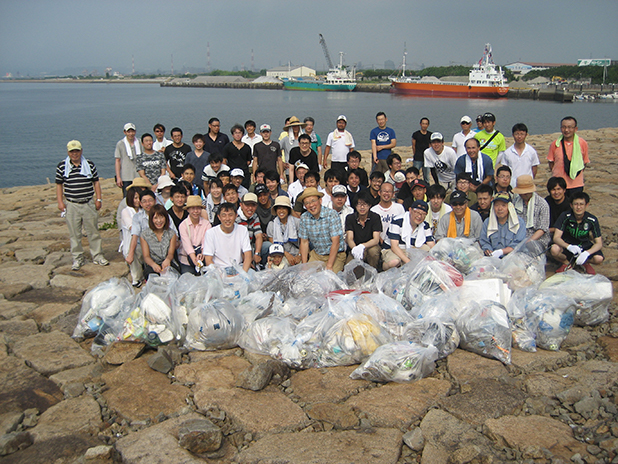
x: 548, y: 94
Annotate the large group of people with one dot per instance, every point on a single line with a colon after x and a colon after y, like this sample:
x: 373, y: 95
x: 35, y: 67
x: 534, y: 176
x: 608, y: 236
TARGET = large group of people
x: 258, y: 202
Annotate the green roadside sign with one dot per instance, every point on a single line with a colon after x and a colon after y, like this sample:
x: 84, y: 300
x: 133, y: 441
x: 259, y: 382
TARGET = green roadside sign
x: 597, y: 62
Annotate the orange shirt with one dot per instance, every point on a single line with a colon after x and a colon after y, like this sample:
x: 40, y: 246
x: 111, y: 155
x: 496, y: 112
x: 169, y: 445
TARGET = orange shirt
x: 556, y: 155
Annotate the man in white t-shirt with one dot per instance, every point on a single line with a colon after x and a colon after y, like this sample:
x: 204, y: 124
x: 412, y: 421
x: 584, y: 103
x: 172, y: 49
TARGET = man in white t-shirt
x: 251, y: 138
x: 340, y: 142
x: 441, y: 160
x: 520, y: 157
x: 387, y: 209
x: 160, y: 141
x: 459, y: 139
x: 228, y: 242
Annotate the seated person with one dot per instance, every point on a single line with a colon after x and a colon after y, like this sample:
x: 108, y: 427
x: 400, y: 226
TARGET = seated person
x: 332, y: 177
x: 340, y: 203
x: 410, y: 230
x: 464, y: 184
x: 394, y: 165
x: 276, y: 257
x: 405, y: 191
x: 214, y: 199
x: 297, y: 187
x: 188, y: 175
x: 271, y: 180
x: 362, y: 229
x: 230, y: 195
x: 387, y: 209
x: 321, y: 227
x: 248, y: 217
x: 164, y: 191
x: 577, y: 236
x: 283, y: 229
x: 354, y: 161
x: 503, y: 180
x: 214, y: 167
x: 353, y: 181
x: 228, y: 243
x: 557, y: 200
x: 312, y: 180
x: 484, y: 195
x: 177, y: 211
x: 503, y: 230
x: 304, y: 154
x: 224, y: 176
x: 535, y: 210
x: 437, y: 207
x: 418, y: 190
x: 158, y: 242
x: 264, y: 206
x: 259, y: 179
x: 376, y: 179
x: 192, y: 231
x: 478, y: 165
x: 237, y: 177
x: 462, y: 221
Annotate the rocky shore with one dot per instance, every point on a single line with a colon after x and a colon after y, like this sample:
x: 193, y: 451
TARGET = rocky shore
x: 59, y: 404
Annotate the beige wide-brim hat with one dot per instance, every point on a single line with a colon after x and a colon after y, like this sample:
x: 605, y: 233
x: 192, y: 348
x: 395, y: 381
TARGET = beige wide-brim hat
x: 525, y: 184
x: 281, y: 200
x: 140, y: 182
x: 194, y: 200
x: 294, y: 121
x: 310, y: 192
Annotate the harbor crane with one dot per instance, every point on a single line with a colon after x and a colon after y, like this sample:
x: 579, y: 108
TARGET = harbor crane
x: 329, y: 62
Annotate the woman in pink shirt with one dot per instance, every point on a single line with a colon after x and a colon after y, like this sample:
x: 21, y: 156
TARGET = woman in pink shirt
x: 192, y: 231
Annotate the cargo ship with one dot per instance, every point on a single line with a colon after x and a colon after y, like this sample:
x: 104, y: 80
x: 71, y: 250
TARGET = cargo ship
x: 337, y: 79
x: 485, y: 80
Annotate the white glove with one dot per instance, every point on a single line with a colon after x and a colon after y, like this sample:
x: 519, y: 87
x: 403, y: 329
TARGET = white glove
x: 581, y: 259
x: 574, y: 249
x: 358, y: 252
x: 498, y: 253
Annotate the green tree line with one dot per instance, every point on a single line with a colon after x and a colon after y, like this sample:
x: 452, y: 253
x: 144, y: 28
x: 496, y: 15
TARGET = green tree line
x: 576, y: 73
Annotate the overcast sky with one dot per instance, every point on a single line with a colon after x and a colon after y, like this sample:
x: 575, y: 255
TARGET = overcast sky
x: 39, y: 36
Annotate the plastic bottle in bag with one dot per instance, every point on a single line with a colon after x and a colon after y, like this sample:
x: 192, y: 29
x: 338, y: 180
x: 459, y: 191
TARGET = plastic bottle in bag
x: 214, y: 325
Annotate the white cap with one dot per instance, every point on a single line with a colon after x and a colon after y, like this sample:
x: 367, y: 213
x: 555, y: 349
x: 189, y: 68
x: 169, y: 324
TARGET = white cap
x: 237, y: 172
x: 265, y: 127
x: 128, y: 126
x: 339, y: 190
x: 342, y: 116
x: 275, y: 249
x: 300, y: 164
x: 399, y: 177
x: 466, y: 118
x: 436, y: 136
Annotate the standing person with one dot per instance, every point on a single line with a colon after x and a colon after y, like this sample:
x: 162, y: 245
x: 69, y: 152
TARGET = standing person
x: 363, y: 229
x: 459, y: 139
x: 150, y: 164
x: 227, y: 244
x: 503, y: 230
x: 158, y: 242
x: 409, y: 230
x: 176, y: 153
x: 215, y: 140
x: 283, y: 229
x: 251, y: 138
x: 520, y: 157
x: 264, y: 206
x: 267, y: 153
x: 476, y: 164
x: 293, y: 129
x: 492, y: 141
x: 479, y: 124
x: 316, y: 140
x: 77, y: 182
x: 125, y: 223
x: 578, y: 236
x: 161, y: 142
x: 304, y: 154
x: 383, y: 140
x: 125, y: 155
x: 192, y: 231
x: 198, y: 158
x: 340, y: 142
x: 462, y: 222
x: 557, y: 200
x: 376, y: 179
x: 535, y: 210
x: 420, y: 143
x: 441, y: 160
x: 568, y: 156
x: 354, y: 161
x: 321, y: 227
x: 248, y: 217
x: 237, y: 154
x: 387, y: 209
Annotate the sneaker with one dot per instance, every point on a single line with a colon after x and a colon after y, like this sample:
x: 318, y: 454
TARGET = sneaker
x: 77, y: 264
x: 564, y: 267
x: 100, y: 260
x: 138, y: 284
x: 589, y: 269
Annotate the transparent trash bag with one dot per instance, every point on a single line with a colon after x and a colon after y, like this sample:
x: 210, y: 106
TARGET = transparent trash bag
x: 267, y: 336
x: 393, y: 284
x: 592, y: 293
x: 487, y: 267
x: 550, y: 314
x: 161, y: 284
x: 257, y: 305
x: 445, y: 308
x: 359, y: 275
x: 524, y: 333
x: 101, y: 305
x: 300, y: 308
x: 150, y: 321
x: 484, y: 329
x: 303, y: 280
x: 459, y: 252
x: 431, y: 331
x: 398, y: 362
x: 390, y: 314
x: 214, y: 325
x: 523, y: 269
x: 431, y: 278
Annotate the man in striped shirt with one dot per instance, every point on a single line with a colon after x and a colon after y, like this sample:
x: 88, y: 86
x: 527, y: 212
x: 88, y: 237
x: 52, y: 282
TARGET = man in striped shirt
x: 77, y: 181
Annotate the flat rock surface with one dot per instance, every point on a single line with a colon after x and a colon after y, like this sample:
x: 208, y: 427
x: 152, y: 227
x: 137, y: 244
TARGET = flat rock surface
x: 213, y: 373
x: 465, y: 366
x: 538, y: 361
x: 399, y: 404
x: 326, y: 385
x: 381, y: 446
x: 75, y: 415
x: 136, y: 392
x: 122, y: 352
x: 52, y: 312
x: 88, y: 276
x: 35, y: 275
x: 52, y: 352
x: 525, y: 432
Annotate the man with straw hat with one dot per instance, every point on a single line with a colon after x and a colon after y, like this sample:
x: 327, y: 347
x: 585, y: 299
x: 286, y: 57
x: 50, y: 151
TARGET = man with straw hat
x: 321, y: 227
x: 503, y: 230
x: 192, y: 231
x: 534, y: 210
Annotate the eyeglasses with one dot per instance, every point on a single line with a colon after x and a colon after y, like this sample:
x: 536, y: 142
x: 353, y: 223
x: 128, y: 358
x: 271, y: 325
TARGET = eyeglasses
x: 313, y: 201
x: 464, y: 122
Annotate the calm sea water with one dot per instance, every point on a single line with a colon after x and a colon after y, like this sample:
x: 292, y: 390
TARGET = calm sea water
x: 37, y: 120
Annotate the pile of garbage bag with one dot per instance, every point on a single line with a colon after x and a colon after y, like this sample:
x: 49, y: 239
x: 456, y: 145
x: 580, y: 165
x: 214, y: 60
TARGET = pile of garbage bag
x: 395, y: 324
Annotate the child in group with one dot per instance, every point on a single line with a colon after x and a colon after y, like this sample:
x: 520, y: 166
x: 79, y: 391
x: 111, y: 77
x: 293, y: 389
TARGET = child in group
x: 188, y: 175
x: 214, y: 168
x: 276, y: 258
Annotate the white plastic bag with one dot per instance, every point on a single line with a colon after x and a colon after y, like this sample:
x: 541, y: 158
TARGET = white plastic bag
x: 435, y: 332
x: 214, y: 325
x: 459, y: 252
